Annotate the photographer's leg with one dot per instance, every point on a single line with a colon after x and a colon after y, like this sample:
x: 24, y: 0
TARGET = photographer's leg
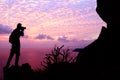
x: 17, y: 60
x: 17, y: 56
x: 10, y: 58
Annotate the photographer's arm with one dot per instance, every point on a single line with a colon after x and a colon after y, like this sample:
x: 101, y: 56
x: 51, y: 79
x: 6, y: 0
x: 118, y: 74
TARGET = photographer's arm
x: 22, y: 32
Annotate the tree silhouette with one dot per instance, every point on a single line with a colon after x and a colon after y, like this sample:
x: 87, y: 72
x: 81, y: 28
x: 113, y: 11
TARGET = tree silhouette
x: 58, y: 55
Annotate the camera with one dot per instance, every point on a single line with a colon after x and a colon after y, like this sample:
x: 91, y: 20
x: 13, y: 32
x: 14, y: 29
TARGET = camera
x: 23, y: 27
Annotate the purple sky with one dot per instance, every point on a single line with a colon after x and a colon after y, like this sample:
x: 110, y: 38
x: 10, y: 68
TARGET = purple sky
x: 69, y: 22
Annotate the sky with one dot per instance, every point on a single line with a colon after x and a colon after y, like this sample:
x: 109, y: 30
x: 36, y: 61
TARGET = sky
x: 73, y: 23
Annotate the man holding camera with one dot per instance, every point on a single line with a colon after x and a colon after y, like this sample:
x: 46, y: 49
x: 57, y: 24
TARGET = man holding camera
x: 14, y: 39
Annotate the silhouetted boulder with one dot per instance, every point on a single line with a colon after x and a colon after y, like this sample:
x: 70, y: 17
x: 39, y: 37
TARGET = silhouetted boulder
x: 23, y: 72
x: 103, y: 53
x: 105, y: 49
x: 109, y: 11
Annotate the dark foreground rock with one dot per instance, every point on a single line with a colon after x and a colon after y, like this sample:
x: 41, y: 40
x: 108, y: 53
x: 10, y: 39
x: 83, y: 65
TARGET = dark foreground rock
x: 23, y: 72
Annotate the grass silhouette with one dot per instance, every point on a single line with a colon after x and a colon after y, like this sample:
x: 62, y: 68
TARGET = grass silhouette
x: 58, y: 55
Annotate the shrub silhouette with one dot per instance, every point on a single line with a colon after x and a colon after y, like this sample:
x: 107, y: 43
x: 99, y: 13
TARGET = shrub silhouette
x: 58, y: 55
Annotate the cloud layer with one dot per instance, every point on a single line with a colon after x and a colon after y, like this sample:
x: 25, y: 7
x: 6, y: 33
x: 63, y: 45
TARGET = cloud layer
x: 44, y: 36
x: 76, y: 19
x: 5, y: 29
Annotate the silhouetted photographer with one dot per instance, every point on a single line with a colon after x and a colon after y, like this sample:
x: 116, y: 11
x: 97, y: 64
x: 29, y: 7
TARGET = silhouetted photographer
x: 14, y: 39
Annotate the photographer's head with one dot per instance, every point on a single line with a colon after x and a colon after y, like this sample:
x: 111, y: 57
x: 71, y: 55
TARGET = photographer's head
x: 19, y: 26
